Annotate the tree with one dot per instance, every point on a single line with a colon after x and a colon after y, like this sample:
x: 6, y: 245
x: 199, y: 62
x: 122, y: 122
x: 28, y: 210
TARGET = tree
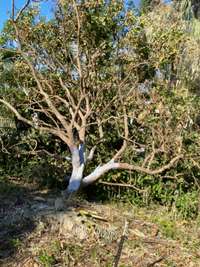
x: 79, y: 83
x: 148, y: 5
x: 190, y: 8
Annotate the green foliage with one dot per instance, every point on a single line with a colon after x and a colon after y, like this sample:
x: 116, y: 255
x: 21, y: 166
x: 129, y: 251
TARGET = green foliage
x: 188, y: 204
x: 168, y: 227
x: 46, y: 260
x: 148, y: 5
x: 158, y: 59
x: 145, y: 5
x: 16, y: 242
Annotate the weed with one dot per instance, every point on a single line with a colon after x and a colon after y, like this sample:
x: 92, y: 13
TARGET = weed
x: 46, y: 259
x: 16, y: 242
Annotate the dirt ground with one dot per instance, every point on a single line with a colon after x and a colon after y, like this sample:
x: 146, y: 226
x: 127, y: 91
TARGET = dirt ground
x: 39, y: 228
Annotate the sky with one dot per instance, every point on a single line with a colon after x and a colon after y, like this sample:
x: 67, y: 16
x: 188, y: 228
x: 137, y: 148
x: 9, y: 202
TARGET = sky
x: 5, y: 7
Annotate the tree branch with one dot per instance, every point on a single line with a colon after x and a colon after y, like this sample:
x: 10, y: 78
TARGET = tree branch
x: 111, y: 165
x: 53, y: 131
x: 20, y: 11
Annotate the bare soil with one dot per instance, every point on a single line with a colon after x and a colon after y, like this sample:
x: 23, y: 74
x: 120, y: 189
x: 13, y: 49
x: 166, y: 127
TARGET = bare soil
x: 39, y: 228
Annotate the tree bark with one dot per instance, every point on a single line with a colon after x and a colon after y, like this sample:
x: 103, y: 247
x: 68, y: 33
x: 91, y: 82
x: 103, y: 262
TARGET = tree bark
x: 78, y: 165
x: 78, y: 180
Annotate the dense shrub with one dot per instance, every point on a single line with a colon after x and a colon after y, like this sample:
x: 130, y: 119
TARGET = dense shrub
x: 158, y: 58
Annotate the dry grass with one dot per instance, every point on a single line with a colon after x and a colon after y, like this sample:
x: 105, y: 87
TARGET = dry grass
x: 87, y: 234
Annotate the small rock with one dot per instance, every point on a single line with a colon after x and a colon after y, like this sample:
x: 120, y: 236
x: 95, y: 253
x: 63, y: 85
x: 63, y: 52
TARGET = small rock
x: 59, y: 204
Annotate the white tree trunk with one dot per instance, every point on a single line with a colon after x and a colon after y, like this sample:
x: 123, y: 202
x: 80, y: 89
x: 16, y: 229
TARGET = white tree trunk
x: 76, y: 178
x: 78, y: 165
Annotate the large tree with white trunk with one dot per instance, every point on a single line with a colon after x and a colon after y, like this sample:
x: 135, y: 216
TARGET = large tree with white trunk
x: 82, y: 76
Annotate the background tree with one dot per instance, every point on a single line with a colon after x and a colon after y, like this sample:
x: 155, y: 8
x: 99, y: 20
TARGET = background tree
x: 148, y: 5
x: 190, y: 8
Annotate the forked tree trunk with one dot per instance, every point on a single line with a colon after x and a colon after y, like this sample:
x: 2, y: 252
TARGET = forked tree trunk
x: 79, y: 161
x: 78, y: 165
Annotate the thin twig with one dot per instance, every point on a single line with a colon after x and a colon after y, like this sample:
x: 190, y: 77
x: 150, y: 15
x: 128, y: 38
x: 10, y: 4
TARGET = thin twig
x: 156, y: 261
x: 122, y: 185
x: 120, y: 246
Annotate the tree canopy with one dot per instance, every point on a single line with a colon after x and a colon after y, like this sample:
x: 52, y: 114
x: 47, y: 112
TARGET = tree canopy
x: 116, y: 89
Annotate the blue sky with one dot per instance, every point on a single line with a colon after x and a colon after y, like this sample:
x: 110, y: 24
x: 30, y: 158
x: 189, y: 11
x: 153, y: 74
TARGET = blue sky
x: 5, y: 7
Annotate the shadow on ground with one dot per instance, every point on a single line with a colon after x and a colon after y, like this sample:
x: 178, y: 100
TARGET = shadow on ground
x: 35, y: 232
x: 20, y: 206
